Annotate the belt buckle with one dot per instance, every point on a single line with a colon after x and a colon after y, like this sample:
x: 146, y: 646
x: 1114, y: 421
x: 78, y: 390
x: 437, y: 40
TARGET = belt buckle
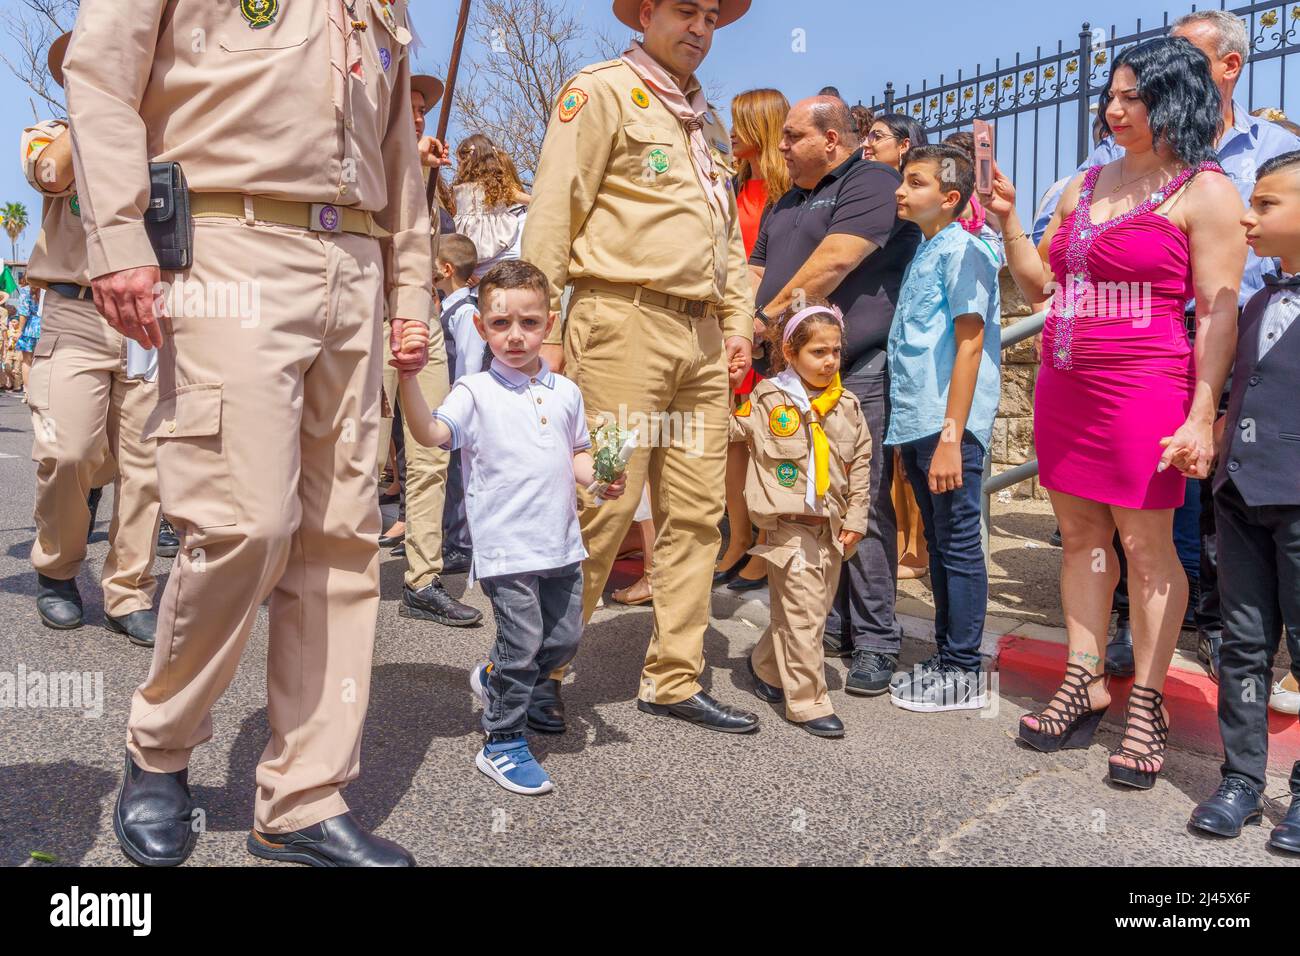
x: 325, y: 217
x: 696, y: 309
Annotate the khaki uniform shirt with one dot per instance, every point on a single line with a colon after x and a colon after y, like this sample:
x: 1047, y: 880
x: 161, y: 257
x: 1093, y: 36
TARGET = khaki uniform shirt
x: 617, y: 197
x: 778, y: 463
x: 247, y: 106
x: 60, y: 251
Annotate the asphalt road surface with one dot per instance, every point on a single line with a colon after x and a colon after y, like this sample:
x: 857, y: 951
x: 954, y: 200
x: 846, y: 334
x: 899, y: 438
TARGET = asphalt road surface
x: 900, y: 788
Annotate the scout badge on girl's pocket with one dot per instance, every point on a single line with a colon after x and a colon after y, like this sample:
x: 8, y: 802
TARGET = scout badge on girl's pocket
x: 611, y: 448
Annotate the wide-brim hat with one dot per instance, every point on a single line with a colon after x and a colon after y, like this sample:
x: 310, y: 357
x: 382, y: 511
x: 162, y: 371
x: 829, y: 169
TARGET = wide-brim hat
x: 55, y: 57
x: 430, y: 86
x: 729, y: 11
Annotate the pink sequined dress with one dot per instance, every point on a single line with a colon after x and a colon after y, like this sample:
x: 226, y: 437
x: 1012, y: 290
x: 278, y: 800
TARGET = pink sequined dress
x: 1118, y: 371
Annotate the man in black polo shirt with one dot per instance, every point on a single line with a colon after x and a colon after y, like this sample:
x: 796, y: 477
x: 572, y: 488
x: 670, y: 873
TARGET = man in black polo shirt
x: 837, y: 234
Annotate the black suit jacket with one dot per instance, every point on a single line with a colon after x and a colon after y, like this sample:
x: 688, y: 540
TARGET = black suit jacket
x: 1261, y: 453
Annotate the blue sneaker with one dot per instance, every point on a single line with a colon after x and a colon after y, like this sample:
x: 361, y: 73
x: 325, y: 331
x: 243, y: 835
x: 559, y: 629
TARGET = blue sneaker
x: 511, y: 764
x: 478, y: 683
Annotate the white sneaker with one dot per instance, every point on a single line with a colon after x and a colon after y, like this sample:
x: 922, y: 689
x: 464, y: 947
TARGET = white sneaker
x: 1285, y: 698
x: 478, y: 683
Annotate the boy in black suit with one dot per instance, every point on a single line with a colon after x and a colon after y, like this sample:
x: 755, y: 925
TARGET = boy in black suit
x: 1257, y: 512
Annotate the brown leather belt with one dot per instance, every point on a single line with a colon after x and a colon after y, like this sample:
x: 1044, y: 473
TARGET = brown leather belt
x: 695, y: 308
x: 70, y: 290
x: 812, y: 520
x: 316, y: 216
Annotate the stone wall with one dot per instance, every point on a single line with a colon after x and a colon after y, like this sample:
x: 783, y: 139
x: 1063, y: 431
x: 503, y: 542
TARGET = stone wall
x: 1013, y: 431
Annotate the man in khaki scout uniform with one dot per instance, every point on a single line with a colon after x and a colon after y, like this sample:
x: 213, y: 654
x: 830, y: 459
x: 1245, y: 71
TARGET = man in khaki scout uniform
x: 87, y: 415
x: 269, y: 374
x: 633, y: 206
x: 423, y: 595
x: 804, y: 545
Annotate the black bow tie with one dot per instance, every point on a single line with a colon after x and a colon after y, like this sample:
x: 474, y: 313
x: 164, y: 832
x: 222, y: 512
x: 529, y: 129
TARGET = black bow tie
x: 1276, y: 281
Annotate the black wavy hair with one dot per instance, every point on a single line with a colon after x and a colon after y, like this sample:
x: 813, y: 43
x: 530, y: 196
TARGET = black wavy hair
x: 1183, y: 105
x: 904, y: 127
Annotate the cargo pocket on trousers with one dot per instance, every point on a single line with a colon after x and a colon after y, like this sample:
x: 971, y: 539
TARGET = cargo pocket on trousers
x: 193, y: 473
x: 38, y: 380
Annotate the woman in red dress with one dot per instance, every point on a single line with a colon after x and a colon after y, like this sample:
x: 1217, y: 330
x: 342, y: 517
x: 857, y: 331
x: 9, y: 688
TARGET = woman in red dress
x: 762, y: 178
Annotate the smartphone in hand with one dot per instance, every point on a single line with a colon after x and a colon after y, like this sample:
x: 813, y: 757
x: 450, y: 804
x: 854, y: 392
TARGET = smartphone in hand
x: 982, y: 130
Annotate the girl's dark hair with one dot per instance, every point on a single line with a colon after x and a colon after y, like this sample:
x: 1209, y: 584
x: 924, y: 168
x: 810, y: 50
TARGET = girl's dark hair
x: 776, y: 334
x: 903, y: 127
x: 965, y: 141
x: 1184, y: 109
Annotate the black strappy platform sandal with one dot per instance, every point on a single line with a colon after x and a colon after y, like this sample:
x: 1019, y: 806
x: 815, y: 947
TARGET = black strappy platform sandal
x: 1145, y: 723
x: 1069, y: 724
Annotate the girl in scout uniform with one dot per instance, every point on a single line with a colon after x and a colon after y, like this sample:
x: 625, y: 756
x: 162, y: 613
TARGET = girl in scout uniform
x: 807, y: 487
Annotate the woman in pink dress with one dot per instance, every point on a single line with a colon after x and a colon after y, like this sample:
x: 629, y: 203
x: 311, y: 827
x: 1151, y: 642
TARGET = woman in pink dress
x: 1123, y: 403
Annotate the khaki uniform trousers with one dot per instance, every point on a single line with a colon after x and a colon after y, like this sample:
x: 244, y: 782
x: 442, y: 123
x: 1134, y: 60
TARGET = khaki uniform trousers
x: 87, y: 420
x: 266, y: 425
x: 803, y: 573
x: 426, y: 468
x: 664, y: 374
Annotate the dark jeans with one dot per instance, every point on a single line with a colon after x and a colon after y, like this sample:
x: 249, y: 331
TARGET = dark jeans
x: 455, y: 523
x: 539, y: 621
x: 863, y: 610
x: 1260, y: 574
x: 958, y: 575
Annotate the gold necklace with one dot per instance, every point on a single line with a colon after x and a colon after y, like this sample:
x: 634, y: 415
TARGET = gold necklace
x: 1131, y: 181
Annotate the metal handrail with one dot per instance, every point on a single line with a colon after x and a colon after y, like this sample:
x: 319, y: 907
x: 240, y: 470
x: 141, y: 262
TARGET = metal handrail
x: 1012, y: 335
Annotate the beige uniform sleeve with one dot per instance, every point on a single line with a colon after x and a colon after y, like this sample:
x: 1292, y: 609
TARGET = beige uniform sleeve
x: 34, y: 140
x: 737, y: 317
x: 572, y: 167
x: 860, y: 479
x: 406, y: 215
x: 739, y: 429
x: 106, y: 70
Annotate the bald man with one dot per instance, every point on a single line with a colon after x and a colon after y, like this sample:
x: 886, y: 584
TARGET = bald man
x: 836, y: 233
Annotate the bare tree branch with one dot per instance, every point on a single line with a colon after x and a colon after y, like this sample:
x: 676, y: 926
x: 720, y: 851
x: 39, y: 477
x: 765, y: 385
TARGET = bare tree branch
x: 33, y: 25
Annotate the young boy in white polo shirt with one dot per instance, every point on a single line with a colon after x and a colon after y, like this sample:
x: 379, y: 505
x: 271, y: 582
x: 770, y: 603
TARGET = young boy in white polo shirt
x: 522, y: 433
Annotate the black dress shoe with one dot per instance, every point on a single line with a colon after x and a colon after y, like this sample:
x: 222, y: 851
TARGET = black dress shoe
x: 1234, y: 805
x: 723, y: 577
x: 1207, y: 651
x: 433, y: 603
x: 746, y: 584
x: 399, y: 550
x: 153, y: 816
x: 58, y: 603
x: 138, y: 626
x: 762, y: 689
x: 168, y: 541
x: 338, y: 841
x: 828, y: 726
x: 1119, y: 652
x: 391, y: 540
x: 1286, y: 835
x: 546, y: 708
x: 455, y: 560
x: 706, y: 712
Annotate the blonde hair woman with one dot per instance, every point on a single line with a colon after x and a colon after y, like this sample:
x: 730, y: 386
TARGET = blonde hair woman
x: 761, y: 179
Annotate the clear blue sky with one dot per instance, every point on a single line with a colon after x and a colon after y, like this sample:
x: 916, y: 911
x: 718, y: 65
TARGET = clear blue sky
x: 856, y: 45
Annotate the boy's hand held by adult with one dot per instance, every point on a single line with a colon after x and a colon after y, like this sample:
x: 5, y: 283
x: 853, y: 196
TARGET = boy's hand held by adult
x: 616, y: 488
x: 409, y: 343
x: 129, y: 301
x: 849, y: 540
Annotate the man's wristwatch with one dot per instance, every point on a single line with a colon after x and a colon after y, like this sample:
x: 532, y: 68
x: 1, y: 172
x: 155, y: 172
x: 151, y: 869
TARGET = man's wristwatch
x: 763, y: 317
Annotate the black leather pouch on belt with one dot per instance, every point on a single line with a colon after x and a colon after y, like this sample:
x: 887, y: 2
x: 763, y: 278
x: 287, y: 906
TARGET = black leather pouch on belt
x: 167, y: 220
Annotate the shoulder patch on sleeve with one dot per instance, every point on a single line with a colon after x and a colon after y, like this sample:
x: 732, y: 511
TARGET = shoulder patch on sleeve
x: 744, y: 410
x: 571, y: 102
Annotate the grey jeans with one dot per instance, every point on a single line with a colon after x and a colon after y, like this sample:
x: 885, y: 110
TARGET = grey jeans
x: 863, y: 612
x: 539, y: 621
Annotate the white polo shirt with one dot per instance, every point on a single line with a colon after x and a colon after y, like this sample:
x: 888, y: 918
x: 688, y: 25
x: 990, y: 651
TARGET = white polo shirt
x: 517, y: 436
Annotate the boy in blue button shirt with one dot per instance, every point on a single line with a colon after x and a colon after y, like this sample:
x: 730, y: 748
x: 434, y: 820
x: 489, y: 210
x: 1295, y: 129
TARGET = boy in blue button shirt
x: 522, y: 432
x: 943, y: 355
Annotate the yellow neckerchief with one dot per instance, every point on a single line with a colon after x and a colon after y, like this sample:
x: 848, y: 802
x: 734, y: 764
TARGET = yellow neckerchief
x: 822, y: 405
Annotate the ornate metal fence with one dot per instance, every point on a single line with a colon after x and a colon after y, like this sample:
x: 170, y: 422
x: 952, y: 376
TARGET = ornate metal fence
x: 1052, y: 94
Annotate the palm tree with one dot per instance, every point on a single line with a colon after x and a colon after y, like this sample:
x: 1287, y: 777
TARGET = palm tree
x: 14, y: 218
